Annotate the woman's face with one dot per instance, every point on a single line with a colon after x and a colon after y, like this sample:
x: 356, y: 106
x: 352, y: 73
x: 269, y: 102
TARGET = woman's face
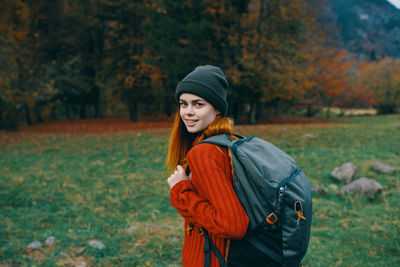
x: 196, y: 113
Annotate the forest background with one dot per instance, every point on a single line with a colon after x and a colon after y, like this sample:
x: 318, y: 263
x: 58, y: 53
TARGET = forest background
x: 108, y: 58
x: 97, y: 196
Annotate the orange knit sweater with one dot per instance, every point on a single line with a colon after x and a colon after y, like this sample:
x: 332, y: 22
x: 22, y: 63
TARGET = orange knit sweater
x: 208, y: 201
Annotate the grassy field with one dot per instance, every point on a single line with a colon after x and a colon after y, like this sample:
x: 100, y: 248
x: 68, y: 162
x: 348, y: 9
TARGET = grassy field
x: 112, y: 187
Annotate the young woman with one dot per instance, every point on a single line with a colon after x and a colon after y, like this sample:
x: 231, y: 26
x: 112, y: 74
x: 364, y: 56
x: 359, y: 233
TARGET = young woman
x: 205, y: 197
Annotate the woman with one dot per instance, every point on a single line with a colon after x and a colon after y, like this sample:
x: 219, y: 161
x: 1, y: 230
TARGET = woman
x: 205, y: 197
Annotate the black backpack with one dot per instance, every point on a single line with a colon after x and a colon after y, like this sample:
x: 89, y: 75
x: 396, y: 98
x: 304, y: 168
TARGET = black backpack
x: 276, y: 196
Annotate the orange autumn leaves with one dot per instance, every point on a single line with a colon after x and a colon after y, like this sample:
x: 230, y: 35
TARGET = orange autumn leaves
x: 285, y: 56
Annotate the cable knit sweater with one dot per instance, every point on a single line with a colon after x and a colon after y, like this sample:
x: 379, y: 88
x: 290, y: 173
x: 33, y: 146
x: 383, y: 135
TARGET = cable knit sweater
x: 208, y: 201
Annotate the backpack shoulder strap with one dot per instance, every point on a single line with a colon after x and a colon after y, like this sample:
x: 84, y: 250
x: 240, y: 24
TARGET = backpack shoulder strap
x: 221, y: 140
x: 208, y: 246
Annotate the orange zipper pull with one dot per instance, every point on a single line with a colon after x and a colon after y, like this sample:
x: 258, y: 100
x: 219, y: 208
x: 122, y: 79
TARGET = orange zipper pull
x: 298, y: 208
x: 300, y: 215
x: 189, y: 228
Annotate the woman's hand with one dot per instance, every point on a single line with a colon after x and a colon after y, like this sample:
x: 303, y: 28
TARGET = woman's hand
x: 177, y: 176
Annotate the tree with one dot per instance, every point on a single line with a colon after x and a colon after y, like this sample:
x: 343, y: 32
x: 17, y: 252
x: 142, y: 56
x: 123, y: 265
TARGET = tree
x: 383, y: 78
x: 131, y: 77
x: 326, y: 75
x: 21, y: 69
x: 86, y: 29
x: 273, y: 35
x: 181, y: 38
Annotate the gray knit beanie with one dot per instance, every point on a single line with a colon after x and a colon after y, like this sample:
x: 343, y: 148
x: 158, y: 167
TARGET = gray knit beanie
x: 208, y: 82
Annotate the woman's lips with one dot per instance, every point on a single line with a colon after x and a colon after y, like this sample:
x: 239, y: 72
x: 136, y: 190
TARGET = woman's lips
x: 191, y: 123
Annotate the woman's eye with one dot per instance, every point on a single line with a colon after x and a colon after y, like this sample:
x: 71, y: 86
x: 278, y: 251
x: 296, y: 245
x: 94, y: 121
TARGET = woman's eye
x: 199, y: 105
x: 183, y: 104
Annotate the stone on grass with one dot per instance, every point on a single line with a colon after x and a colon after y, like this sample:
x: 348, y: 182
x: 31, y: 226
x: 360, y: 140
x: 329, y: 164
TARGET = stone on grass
x: 363, y: 186
x: 97, y: 244
x: 282, y: 129
x: 308, y: 135
x: 383, y: 168
x: 319, y: 190
x: 334, y: 187
x: 132, y: 229
x: 50, y: 241
x: 344, y: 173
x: 173, y: 239
x: 63, y: 255
x: 35, y: 245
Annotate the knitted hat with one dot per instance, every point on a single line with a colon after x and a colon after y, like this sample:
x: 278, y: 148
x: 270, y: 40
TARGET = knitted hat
x: 208, y: 82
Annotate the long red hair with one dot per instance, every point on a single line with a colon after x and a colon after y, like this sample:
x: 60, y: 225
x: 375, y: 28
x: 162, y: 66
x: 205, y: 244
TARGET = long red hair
x: 181, y: 141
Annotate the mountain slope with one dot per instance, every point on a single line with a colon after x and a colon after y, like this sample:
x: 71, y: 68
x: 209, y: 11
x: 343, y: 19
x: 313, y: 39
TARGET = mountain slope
x: 368, y: 28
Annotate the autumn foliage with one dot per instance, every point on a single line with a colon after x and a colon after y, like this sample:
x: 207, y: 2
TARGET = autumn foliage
x: 61, y: 59
x: 382, y: 79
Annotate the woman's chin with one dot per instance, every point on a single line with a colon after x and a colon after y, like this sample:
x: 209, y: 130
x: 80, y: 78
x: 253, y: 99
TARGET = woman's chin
x: 191, y: 130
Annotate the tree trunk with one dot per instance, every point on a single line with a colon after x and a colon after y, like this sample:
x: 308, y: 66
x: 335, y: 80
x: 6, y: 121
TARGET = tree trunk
x: 100, y: 37
x: 310, y: 111
x: 328, y: 111
x: 53, y: 114
x: 260, y: 112
x: 97, y: 113
x: 168, y: 106
x: 27, y: 114
x: 95, y: 101
x: 341, y: 112
x: 100, y: 103
x: 2, y: 124
x: 67, y: 109
x: 10, y: 121
x: 133, y: 110
x: 274, y: 103
x: 252, y: 113
x: 82, y: 113
x: 236, y: 111
x: 36, y: 111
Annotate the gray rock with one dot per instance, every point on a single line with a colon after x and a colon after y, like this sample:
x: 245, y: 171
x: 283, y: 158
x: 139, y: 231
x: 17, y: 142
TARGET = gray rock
x: 50, y: 241
x: 308, y: 135
x: 319, y: 190
x: 334, y: 187
x: 363, y: 186
x: 35, y: 245
x: 63, y: 255
x: 383, y: 168
x: 173, y: 239
x: 344, y: 173
x: 282, y: 130
x: 132, y: 229
x: 97, y: 244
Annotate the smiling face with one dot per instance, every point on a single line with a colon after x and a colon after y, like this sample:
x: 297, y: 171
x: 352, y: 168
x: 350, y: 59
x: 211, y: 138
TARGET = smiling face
x: 196, y: 113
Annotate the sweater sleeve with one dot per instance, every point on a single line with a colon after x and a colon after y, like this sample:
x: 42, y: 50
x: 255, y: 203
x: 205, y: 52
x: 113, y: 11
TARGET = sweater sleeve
x: 208, y: 200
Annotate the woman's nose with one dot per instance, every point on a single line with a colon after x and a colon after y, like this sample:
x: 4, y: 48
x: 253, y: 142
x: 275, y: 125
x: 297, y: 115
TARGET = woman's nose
x: 189, y: 110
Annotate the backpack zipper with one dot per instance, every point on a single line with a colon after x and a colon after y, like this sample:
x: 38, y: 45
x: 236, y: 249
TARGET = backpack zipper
x: 288, y: 180
x: 282, y: 190
x: 236, y: 143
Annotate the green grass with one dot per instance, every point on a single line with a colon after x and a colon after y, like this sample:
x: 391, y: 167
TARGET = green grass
x: 82, y: 187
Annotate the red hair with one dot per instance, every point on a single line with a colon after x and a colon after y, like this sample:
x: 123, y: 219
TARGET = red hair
x: 181, y: 141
